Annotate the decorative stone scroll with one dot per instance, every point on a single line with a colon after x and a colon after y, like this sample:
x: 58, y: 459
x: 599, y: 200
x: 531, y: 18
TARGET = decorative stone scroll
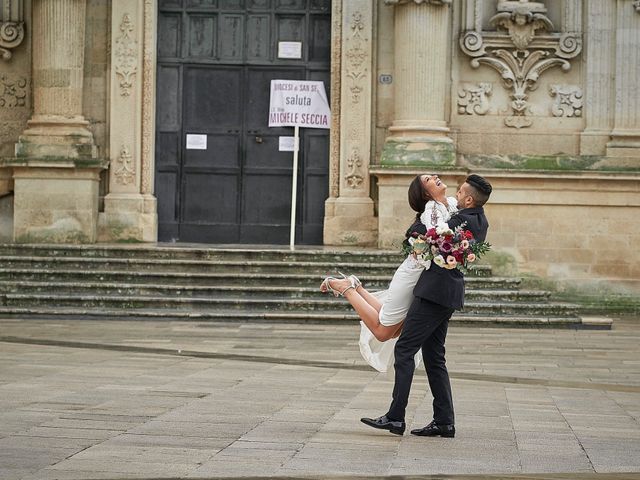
x: 126, y: 55
x: 11, y: 26
x: 474, y: 99
x: 568, y: 100
x: 13, y: 91
x: 521, y: 49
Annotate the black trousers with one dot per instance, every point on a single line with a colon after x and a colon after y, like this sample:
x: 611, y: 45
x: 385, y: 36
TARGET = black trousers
x: 425, y: 327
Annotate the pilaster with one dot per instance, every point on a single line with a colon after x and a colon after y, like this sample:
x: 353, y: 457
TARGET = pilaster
x: 599, y: 83
x: 418, y: 135
x: 625, y: 137
x: 349, y: 217
x: 130, y: 211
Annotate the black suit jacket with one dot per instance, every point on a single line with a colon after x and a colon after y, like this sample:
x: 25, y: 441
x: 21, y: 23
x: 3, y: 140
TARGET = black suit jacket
x: 442, y: 286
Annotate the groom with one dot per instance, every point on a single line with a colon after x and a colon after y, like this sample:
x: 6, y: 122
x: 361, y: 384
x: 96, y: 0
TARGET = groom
x: 438, y: 293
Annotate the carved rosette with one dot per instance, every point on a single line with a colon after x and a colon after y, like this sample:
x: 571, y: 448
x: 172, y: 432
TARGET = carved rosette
x: 521, y: 50
x: 13, y: 91
x: 125, y: 172
x: 568, y: 100
x: 474, y: 99
x: 354, y: 175
x: 126, y: 55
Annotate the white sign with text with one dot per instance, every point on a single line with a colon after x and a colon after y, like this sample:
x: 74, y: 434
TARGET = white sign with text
x: 301, y: 103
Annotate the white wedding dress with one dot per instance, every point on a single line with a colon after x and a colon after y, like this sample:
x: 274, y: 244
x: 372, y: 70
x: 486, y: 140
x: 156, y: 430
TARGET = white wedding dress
x: 398, y: 297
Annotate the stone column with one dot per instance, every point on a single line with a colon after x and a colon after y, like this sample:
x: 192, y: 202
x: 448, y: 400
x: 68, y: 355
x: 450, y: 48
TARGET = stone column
x: 600, y: 63
x: 419, y: 130
x: 625, y: 137
x: 349, y: 216
x: 57, y: 127
x: 130, y: 208
x: 56, y: 169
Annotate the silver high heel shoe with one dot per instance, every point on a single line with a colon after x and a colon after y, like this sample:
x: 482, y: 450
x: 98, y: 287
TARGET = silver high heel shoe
x: 355, y: 281
x: 326, y: 287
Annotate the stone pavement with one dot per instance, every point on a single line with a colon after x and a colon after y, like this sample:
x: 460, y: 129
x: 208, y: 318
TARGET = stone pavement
x: 89, y: 399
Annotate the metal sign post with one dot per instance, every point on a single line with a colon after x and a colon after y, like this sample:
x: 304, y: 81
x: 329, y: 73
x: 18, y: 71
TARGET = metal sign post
x: 294, y: 186
x: 298, y: 103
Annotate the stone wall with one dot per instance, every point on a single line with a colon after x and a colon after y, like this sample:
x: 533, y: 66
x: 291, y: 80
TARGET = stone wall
x: 574, y: 227
x: 533, y: 103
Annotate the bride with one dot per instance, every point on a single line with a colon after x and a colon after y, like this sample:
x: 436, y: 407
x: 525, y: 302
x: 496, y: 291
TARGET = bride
x: 382, y: 313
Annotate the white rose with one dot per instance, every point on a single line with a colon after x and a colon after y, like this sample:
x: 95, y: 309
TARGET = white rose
x: 443, y: 230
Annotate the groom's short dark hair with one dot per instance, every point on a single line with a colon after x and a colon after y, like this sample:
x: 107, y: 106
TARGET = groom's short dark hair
x: 480, y: 189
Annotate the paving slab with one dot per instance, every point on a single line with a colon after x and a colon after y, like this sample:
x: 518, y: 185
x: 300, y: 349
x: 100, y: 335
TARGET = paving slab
x: 123, y: 400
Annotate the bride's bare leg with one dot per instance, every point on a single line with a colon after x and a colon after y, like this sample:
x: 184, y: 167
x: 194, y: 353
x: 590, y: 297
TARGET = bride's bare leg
x: 370, y: 299
x: 367, y: 313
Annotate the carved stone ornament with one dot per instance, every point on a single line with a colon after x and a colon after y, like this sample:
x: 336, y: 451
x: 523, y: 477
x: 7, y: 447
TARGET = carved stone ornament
x: 636, y: 5
x: 126, y: 55
x: 473, y: 99
x: 430, y: 2
x: 125, y: 171
x: 11, y: 26
x: 13, y: 91
x: 148, y: 96
x: 356, y: 56
x: 568, y: 100
x: 354, y: 175
x: 520, y: 52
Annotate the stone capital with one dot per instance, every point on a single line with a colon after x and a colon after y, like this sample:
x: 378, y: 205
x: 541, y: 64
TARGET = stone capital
x: 419, y: 2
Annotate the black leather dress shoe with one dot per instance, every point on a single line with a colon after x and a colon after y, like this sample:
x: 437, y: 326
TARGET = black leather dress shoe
x: 384, y: 423
x: 433, y: 430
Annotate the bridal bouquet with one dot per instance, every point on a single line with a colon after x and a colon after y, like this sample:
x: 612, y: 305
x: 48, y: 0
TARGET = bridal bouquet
x: 445, y: 247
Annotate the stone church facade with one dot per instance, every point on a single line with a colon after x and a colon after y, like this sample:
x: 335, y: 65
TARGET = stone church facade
x: 96, y: 98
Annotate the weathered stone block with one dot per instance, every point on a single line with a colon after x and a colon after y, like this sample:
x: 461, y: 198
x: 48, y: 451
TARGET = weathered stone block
x: 55, y: 205
x: 417, y: 152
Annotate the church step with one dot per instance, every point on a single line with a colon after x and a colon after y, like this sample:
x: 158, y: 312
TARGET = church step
x: 230, y: 266
x: 327, y: 305
x: 173, y: 252
x: 223, y: 291
x: 488, y: 320
x: 313, y: 268
x: 285, y: 279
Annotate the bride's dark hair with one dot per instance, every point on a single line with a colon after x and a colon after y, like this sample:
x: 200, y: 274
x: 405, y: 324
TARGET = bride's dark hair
x: 418, y: 196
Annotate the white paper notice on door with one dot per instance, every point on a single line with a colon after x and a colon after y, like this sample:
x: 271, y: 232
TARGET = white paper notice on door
x: 287, y: 144
x: 289, y: 49
x: 196, y: 142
